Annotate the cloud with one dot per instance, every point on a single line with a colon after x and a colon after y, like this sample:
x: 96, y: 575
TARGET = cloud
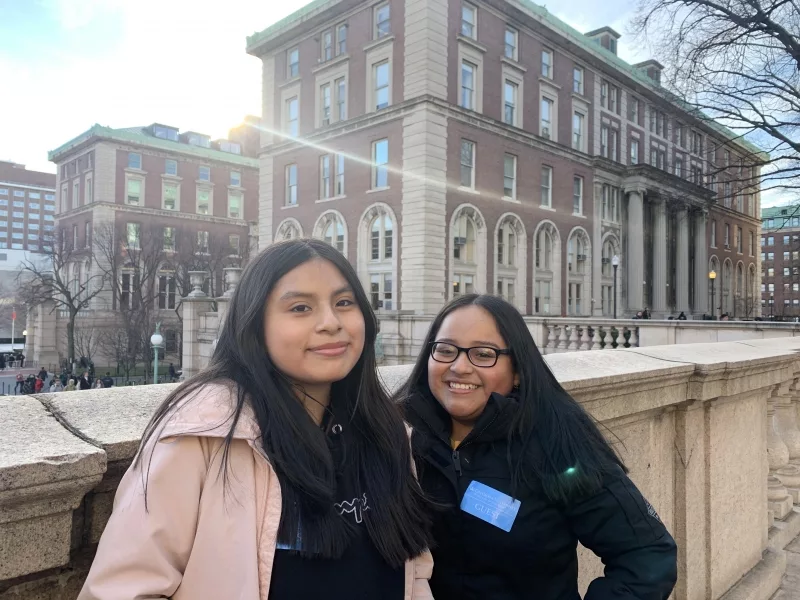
x: 179, y: 62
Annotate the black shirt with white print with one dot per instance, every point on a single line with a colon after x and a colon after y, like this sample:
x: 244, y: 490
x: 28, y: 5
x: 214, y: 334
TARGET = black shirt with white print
x: 360, y: 574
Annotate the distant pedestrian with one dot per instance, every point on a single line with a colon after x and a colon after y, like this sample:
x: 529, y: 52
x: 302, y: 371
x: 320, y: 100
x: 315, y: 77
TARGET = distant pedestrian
x: 43, y: 374
x: 64, y: 377
x: 84, y: 382
x: 171, y: 372
x: 70, y: 386
x: 20, y: 383
x: 108, y: 381
x: 21, y: 361
x: 55, y: 386
x: 98, y: 385
x: 2, y: 362
x: 38, y: 385
x: 682, y: 316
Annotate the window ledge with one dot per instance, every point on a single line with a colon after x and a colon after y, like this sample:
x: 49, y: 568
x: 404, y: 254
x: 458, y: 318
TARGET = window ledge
x: 580, y: 97
x: 548, y: 208
x: 286, y: 206
x: 468, y: 190
x: 512, y: 200
x: 236, y: 188
x: 333, y: 62
x: 332, y: 198
x: 169, y: 177
x: 549, y: 82
x: 387, y: 39
x: 133, y: 171
x: 380, y: 189
x: 204, y: 182
x: 513, y: 64
x: 289, y: 82
x: 579, y: 215
x: 470, y: 42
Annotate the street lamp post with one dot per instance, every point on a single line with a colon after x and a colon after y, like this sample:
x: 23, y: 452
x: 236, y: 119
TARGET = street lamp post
x: 156, y: 340
x: 712, y: 276
x: 615, y: 264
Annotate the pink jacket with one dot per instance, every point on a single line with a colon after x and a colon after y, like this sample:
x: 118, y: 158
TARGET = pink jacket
x: 196, y: 542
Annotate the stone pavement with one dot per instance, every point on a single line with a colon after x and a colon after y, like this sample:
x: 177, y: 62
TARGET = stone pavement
x: 790, y: 588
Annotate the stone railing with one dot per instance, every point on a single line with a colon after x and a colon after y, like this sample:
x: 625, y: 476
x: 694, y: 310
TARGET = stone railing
x: 709, y: 432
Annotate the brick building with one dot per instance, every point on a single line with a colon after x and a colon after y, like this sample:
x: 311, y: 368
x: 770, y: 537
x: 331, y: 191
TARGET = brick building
x: 452, y: 146
x: 192, y: 194
x: 780, y: 260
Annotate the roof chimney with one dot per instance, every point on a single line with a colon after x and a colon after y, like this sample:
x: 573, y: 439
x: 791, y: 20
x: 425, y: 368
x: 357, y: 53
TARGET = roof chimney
x: 652, y: 68
x: 605, y: 37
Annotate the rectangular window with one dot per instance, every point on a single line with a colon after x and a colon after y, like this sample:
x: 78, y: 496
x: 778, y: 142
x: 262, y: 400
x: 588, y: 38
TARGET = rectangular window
x: 468, y: 71
x: 577, y: 195
x: 74, y: 236
x: 380, y: 162
x: 133, y: 230
x: 339, y: 175
x: 134, y: 160
x: 325, y: 104
x: 469, y: 21
x: 727, y: 235
x: 170, y: 201
x: 169, y: 239
x: 634, y: 152
x: 604, y: 94
x: 19, y: 194
x: 203, y: 201
x: 166, y: 290
x: 292, y: 116
x: 613, y: 99
x: 577, y: 80
x: 382, y: 23
x: 341, y: 99
x: 678, y: 166
x: 204, y: 173
x: 293, y: 63
x: 510, y: 90
x: 577, y: 131
x: 604, y: 131
x: 88, y: 192
x: 341, y: 39
x: 291, y: 185
x: 510, y: 176
x: 327, y: 45
x: 21, y: 204
x: 467, y: 164
x: 381, y: 78
x: 236, y: 179
x: 547, y: 187
x: 547, y: 118
x: 234, y: 205
x: 233, y: 244
x: 34, y: 195
x: 171, y: 167
x: 547, y: 64
x: 510, y: 49
x: 3, y: 191
x: 76, y: 194
x: 739, y: 241
x: 202, y: 242
x: 325, y: 176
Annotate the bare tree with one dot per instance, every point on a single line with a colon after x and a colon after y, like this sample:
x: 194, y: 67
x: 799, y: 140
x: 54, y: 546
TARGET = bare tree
x: 737, y: 63
x: 87, y: 342
x: 63, y: 274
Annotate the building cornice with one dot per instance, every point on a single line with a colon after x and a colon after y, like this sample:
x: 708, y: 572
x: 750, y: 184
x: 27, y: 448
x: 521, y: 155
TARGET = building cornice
x: 153, y: 212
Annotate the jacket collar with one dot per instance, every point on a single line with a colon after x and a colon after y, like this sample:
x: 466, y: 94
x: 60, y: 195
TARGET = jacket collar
x: 425, y: 413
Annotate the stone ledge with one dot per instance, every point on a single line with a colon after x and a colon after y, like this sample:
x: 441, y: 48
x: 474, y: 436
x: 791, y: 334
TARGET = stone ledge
x: 762, y: 581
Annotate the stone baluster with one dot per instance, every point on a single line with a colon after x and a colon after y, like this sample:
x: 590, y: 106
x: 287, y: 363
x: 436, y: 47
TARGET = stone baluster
x: 563, y: 338
x: 574, y: 338
x: 586, y: 339
x: 552, y: 339
x: 596, y: 338
x: 633, y: 342
x: 786, y: 425
x: 779, y: 501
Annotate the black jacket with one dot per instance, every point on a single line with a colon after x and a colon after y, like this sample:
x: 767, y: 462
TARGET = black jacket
x: 537, y: 559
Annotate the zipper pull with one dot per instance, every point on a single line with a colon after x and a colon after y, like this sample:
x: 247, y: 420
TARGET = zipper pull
x: 457, y: 462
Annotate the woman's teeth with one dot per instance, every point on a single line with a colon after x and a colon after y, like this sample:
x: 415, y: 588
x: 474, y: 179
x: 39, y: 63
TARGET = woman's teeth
x: 462, y: 386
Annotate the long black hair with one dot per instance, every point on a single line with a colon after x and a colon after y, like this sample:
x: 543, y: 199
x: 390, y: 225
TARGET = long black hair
x: 562, y: 447
x: 378, y: 451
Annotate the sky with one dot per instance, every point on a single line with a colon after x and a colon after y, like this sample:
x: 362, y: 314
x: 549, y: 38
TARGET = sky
x: 68, y: 64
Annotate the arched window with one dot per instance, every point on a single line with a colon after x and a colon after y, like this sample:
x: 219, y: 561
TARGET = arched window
x: 579, y: 275
x: 547, y: 270
x: 331, y: 229
x: 289, y: 230
x: 464, y: 239
x: 714, y: 289
x: 610, y: 249
x: 510, y: 258
x: 381, y: 234
x: 377, y: 256
x: 727, y: 277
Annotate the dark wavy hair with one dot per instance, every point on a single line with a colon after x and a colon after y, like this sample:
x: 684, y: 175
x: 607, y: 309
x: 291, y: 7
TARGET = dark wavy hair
x: 563, y: 450
x: 378, y: 452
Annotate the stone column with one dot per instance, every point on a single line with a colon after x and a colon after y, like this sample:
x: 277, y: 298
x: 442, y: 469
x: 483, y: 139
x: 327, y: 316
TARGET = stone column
x: 660, y: 258
x: 231, y: 277
x: 194, y: 305
x: 700, y: 264
x: 46, y: 323
x: 779, y: 501
x: 682, y: 260
x: 597, y: 251
x: 634, y: 255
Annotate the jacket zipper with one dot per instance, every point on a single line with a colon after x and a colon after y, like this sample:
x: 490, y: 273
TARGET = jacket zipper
x: 456, y: 453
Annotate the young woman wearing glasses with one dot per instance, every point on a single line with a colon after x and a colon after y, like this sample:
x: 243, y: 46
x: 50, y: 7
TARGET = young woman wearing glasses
x: 524, y: 472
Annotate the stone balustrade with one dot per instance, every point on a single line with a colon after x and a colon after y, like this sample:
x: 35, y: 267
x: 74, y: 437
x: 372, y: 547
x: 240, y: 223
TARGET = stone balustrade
x: 708, y: 430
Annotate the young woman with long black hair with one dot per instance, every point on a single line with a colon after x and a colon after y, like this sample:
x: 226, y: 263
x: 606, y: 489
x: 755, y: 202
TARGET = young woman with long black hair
x: 524, y: 470
x: 282, y: 471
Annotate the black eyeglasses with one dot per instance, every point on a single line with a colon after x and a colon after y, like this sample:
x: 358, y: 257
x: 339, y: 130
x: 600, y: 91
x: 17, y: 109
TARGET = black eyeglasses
x: 479, y: 356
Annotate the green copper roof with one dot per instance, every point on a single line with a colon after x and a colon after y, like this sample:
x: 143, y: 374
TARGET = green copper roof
x: 131, y: 135
x: 575, y: 36
x: 778, y: 211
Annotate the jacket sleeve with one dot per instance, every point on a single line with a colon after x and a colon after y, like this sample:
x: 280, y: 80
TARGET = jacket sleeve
x: 143, y: 552
x: 624, y: 530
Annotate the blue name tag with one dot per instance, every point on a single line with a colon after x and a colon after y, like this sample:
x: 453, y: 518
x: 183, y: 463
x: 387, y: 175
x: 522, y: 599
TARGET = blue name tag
x: 491, y: 506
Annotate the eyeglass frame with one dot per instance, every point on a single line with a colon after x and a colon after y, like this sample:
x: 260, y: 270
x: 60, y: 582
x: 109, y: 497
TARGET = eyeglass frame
x: 500, y: 352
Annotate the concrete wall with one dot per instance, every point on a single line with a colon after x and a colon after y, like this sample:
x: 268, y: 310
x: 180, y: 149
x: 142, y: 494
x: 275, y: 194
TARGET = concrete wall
x: 709, y: 432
